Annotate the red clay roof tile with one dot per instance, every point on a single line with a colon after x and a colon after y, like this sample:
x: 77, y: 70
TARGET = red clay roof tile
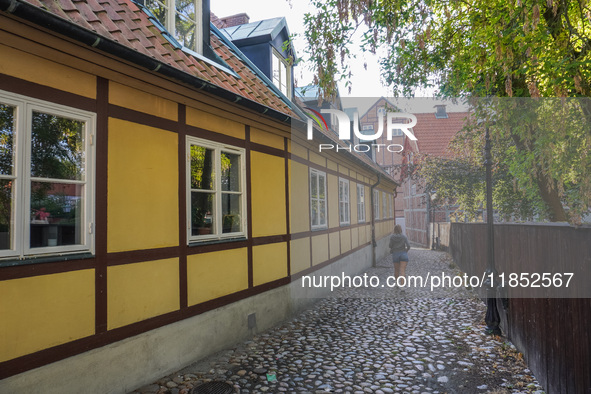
x: 434, y: 135
x: 124, y: 22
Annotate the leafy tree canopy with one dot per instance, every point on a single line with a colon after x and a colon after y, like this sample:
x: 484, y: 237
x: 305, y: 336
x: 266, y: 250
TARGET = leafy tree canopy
x: 478, y: 47
x: 482, y: 48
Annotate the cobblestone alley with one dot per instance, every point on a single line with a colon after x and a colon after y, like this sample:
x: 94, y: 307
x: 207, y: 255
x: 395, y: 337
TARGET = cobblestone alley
x: 382, y: 342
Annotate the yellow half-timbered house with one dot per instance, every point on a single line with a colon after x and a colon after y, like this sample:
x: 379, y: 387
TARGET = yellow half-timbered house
x: 155, y: 206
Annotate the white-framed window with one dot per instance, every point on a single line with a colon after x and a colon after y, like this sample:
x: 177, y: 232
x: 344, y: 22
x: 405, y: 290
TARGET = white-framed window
x: 391, y: 206
x: 384, y: 205
x: 182, y: 19
x: 281, y: 74
x: 360, y: 203
x: 216, y: 184
x: 46, y: 178
x: 344, y: 208
x: 367, y: 127
x: 376, y: 204
x: 317, y: 199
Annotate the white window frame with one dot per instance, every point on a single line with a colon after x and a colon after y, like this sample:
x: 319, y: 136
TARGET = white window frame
x: 376, y: 204
x: 390, y: 205
x: 170, y: 24
x: 281, y: 60
x: 344, y: 202
x: 384, y: 205
x: 217, y: 211
x: 360, y: 203
x: 319, y: 225
x: 21, y: 212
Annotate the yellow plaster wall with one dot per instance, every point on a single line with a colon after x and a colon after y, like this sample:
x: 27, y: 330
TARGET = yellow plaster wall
x: 319, y: 249
x: 44, y: 311
x: 363, y: 234
x: 216, y: 274
x: 299, y: 150
x: 143, y: 187
x: 332, y: 199
x: 262, y: 137
x: 208, y: 121
x: 332, y: 165
x: 354, y: 237
x: 269, y: 263
x: 127, y: 97
x: 334, y: 241
x: 138, y: 291
x: 299, y: 198
x: 345, y: 240
x: 268, y: 194
x: 300, y: 254
x: 35, y: 69
x: 318, y: 159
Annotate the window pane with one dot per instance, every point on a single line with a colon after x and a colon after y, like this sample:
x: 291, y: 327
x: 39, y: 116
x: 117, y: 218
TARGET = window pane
x: 185, y: 30
x: 231, y: 210
x: 56, y: 214
x: 202, y: 217
x: 186, y: 8
x: 57, y: 147
x: 6, y: 139
x: 230, y: 172
x: 6, y: 206
x: 322, y: 212
x: 321, y: 187
x: 284, y: 80
x: 314, y: 209
x: 202, y: 168
x: 313, y: 185
x: 158, y: 9
x: 276, y: 72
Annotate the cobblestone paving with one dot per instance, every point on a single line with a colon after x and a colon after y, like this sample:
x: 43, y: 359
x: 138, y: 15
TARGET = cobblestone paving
x: 371, y: 341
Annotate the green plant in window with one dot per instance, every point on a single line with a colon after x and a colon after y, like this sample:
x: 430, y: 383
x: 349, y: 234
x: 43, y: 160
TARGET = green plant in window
x: 6, y: 165
x: 231, y: 223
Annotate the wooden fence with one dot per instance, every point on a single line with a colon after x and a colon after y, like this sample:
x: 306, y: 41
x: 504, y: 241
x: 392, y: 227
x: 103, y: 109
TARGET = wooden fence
x: 552, y: 333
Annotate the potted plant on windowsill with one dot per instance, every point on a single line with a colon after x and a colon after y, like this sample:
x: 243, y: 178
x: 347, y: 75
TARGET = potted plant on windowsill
x: 201, y: 222
x: 40, y: 216
x: 231, y: 223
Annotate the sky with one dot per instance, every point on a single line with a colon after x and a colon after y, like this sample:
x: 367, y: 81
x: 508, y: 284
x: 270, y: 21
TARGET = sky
x: 366, y: 83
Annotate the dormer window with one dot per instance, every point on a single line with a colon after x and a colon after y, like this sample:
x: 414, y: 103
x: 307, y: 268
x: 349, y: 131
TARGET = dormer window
x: 281, y: 73
x: 182, y: 20
x: 440, y: 112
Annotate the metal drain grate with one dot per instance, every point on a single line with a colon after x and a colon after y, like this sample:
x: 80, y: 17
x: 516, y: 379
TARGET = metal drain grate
x: 213, y: 388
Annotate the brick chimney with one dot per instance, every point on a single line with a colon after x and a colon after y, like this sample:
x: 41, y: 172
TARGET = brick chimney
x: 235, y: 20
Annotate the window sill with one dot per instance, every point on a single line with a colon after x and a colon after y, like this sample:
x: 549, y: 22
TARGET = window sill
x: 205, y: 242
x: 12, y: 262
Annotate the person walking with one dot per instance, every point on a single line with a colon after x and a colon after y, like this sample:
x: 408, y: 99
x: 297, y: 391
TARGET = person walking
x: 399, y: 247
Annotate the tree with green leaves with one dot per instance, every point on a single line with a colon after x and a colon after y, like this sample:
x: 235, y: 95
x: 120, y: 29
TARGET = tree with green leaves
x: 478, y: 48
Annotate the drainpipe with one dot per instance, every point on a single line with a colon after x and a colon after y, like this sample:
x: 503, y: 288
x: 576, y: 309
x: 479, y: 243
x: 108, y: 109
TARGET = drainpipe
x: 373, y: 223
